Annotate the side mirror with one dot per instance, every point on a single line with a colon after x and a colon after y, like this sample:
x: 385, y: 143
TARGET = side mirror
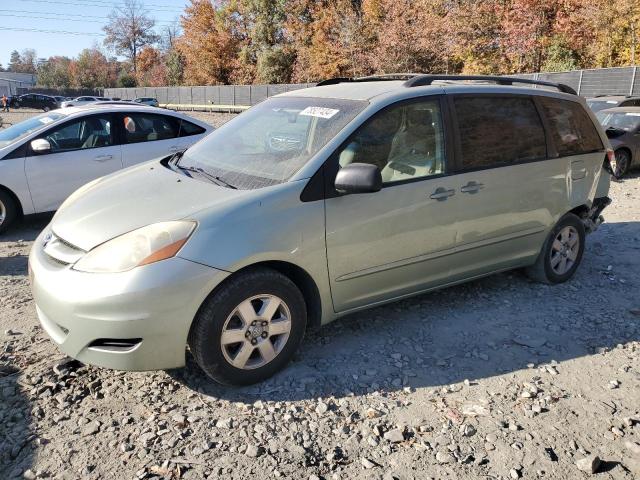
x: 358, y: 178
x: 40, y: 145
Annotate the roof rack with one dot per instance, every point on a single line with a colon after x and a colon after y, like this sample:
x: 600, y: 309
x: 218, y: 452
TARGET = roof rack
x: 369, y: 78
x: 419, y: 80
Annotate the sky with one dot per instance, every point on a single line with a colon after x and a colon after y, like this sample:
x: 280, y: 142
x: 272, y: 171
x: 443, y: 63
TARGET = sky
x: 85, y: 18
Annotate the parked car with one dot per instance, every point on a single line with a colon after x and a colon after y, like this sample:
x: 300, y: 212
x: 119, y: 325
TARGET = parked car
x: 46, y: 158
x: 83, y: 101
x: 622, y: 126
x: 611, y: 101
x: 314, y: 204
x: 36, y: 100
x: 147, y: 101
x: 59, y: 100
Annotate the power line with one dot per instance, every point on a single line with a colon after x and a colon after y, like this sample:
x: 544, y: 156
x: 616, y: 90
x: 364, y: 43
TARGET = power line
x: 85, y: 19
x: 68, y: 15
x: 37, y: 30
x: 91, y: 3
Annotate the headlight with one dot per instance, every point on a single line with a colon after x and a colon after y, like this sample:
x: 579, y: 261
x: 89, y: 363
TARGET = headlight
x: 140, y: 247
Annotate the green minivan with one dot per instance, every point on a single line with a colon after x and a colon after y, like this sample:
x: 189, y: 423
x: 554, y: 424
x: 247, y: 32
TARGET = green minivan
x: 314, y: 204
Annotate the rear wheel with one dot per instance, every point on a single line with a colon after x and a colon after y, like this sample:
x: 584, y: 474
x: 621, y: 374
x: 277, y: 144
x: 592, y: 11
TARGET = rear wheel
x: 8, y: 211
x: 623, y: 162
x: 561, y: 253
x: 250, y: 328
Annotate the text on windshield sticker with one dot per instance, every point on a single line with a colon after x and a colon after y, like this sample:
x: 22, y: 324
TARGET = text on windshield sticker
x: 319, y: 112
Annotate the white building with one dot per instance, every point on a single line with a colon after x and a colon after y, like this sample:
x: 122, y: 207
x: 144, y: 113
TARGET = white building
x: 10, y: 82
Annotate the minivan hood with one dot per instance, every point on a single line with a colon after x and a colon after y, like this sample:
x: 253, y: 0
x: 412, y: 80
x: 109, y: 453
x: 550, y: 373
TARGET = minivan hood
x: 132, y: 198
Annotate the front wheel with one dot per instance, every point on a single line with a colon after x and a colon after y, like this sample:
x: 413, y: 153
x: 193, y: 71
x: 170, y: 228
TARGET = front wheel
x: 8, y: 211
x: 249, y: 328
x: 561, y: 253
x: 46, y: 109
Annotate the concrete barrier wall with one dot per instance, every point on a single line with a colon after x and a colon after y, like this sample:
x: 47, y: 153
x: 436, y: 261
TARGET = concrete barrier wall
x: 588, y: 83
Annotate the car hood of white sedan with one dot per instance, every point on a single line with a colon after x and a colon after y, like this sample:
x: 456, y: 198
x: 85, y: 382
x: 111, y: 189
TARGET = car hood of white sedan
x: 132, y: 198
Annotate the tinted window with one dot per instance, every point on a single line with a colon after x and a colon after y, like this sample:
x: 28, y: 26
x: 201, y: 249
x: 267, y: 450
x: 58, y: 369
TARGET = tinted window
x: 499, y: 131
x: 87, y: 132
x: 188, y: 128
x: 145, y: 127
x: 404, y: 141
x: 571, y: 128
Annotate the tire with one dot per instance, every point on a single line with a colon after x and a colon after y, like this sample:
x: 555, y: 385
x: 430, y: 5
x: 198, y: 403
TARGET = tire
x: 8, y: 211
x: 46, y: 109
x: 548, y: 267
x: 623, y: 162
x: 238, y: 361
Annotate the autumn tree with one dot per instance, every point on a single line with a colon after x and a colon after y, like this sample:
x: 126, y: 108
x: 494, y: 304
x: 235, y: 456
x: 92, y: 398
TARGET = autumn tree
x: 23, y: 62
x: 208, y: 43
x: 91, y: 70
x: 130, y: 28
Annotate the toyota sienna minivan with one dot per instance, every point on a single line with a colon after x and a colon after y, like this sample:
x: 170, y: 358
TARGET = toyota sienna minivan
x: 314, y: 204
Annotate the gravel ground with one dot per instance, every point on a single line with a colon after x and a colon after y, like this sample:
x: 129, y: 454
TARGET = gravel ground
x: 499, y: 378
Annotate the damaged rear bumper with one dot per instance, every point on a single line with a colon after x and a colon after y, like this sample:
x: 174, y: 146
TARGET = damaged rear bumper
x: 593, y: 218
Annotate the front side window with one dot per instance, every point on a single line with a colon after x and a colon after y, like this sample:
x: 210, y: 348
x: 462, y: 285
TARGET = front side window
x: 271, y: 141
x: 146, y: 127
x: 84, y: 133
x: 404, y: 141
x: 498, y: 131
x: 572, y: 130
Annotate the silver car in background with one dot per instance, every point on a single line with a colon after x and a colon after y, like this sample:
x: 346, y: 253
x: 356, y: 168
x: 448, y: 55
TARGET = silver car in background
x: 46, y: 158
x: 79, y: 101
x: 622, y: 125
x: 314, y: 204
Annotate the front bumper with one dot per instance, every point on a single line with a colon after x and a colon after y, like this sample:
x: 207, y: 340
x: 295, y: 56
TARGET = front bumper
x: 144, y: 314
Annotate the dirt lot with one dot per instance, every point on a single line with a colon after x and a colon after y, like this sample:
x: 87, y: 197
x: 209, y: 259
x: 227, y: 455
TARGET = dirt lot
x: 498, y: 378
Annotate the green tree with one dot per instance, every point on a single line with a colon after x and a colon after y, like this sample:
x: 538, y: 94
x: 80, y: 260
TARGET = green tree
x: 55, y: 72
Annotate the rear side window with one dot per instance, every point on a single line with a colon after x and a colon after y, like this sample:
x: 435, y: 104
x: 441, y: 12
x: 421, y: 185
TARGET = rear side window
x: 499, y: 131
x: 187, y: 129
x: 145, y: 127
x: 572, y: 130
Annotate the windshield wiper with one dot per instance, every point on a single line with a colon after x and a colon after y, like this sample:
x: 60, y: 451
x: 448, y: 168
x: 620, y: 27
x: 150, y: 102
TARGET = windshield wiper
x: 208, y: 175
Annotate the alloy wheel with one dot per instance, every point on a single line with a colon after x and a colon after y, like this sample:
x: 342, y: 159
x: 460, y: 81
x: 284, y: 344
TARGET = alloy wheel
x: 256, y: 331
x: 564, y: 250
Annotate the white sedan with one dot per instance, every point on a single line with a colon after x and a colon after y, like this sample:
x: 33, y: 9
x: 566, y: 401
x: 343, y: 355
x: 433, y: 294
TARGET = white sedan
x: 44, y: 159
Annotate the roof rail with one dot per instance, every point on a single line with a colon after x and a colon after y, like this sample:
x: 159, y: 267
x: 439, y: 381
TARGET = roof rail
x: 422, y: 80
x: 369, y: 78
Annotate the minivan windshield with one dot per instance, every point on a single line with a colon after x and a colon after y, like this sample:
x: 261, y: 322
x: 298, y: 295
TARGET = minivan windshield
x: 270, y: 142
x: 20, y: 130
x: 628, y: 121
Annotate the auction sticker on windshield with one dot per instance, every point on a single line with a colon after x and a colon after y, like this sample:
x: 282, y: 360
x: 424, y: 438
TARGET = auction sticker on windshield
x: 320, y: 112
x: 46, y: 120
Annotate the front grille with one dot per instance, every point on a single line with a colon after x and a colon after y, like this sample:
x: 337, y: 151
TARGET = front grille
x: 61, y: 251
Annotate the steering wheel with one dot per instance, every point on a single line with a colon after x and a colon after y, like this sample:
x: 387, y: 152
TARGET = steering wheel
x: 54, y: 143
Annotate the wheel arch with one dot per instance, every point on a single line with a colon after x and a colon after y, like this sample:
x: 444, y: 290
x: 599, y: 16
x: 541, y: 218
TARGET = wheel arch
x: 299, y: 276
x: 15, y: 198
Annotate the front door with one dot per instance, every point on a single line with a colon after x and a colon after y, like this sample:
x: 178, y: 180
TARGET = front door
x: 396, y: 241
x: 81, y: 150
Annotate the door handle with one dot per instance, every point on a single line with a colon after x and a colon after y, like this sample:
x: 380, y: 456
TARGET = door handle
x: 472, y: 187
x: 102, y: 158
x: 442, y: 194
